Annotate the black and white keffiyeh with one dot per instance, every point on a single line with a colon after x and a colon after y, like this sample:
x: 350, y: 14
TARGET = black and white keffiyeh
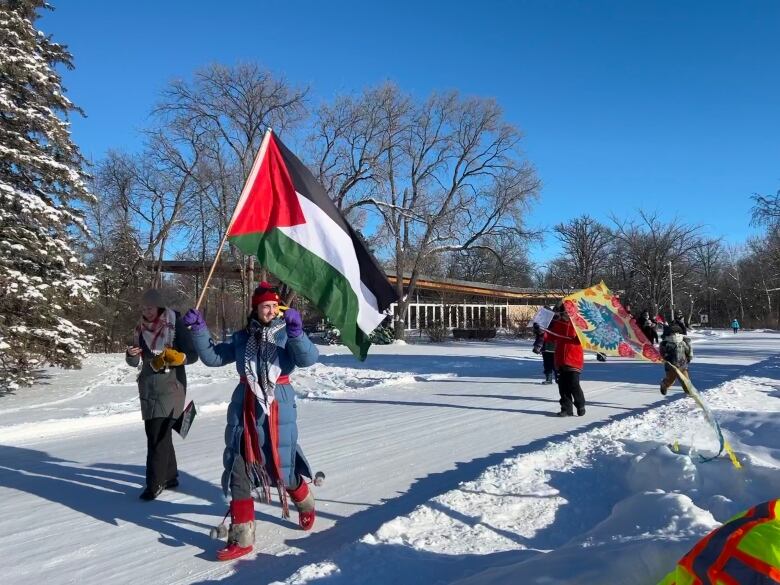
x: 261, y: 361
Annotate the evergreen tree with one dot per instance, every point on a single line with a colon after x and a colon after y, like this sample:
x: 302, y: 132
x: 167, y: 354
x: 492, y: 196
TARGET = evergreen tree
x: 41, y: 186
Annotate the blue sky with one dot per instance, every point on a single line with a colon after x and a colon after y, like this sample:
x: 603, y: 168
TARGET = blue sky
x: 668, y: 106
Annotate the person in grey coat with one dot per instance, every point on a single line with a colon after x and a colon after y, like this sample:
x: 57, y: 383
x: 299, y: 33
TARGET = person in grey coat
x: 261, y: 436
x: 162, y: 345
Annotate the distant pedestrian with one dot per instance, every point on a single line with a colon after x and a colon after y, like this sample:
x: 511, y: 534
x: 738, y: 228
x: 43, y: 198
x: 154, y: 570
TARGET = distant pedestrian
x: 735, y: 325
x: 676, y: 350
x: 548, y: 356
x: 569, y: 361
x: 648, y: 327
x: 544, y: 344
x: 679, y: 319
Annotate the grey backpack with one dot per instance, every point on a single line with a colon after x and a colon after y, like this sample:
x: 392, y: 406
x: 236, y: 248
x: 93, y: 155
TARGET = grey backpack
x: 675, y: 353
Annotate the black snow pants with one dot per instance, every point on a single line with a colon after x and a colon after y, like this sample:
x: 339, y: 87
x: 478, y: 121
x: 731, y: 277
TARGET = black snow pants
x: 570, y: 390
x: 549, y: 364
x: 160, y: 456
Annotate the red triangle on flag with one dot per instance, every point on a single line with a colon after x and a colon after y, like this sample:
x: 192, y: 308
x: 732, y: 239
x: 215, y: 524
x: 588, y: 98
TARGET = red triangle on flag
x: 270, y: 200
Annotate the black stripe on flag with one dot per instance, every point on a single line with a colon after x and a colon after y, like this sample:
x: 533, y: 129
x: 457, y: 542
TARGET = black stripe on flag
x: 371, y: 274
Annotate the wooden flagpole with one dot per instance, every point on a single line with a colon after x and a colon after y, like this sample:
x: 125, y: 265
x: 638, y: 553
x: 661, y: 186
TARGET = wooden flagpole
x: 241, y: 200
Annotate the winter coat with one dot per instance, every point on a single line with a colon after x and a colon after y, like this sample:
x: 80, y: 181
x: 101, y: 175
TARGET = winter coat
x: 649, y: 329
x: 568, y: 350
x: 676, y: 349
x: 292, y: 352
x: 681, y: 323
x: 162, y: 393
x: 735, y: 324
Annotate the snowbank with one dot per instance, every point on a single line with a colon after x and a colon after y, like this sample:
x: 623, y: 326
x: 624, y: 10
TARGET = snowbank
x: 618, y: 504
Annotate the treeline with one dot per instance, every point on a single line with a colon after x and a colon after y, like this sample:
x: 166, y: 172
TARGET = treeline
x: 640, y: 257
x: 437, y: 186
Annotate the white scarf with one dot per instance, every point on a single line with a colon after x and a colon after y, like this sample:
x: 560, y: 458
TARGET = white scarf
x: 157, y: 334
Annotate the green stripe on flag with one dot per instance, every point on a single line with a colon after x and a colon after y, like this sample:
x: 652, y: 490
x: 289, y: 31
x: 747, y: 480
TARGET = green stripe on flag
x: 309, y: 275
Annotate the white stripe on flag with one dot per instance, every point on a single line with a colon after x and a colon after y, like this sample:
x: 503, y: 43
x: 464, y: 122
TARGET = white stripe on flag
x: 325, y: 239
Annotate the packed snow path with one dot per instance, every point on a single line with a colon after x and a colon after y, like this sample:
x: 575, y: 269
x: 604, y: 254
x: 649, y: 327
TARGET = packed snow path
x: 411, y: 423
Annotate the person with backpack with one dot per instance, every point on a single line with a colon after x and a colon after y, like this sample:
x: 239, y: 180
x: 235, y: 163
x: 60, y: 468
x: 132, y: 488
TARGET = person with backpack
x: 676, y: 350
x: 735, y: 325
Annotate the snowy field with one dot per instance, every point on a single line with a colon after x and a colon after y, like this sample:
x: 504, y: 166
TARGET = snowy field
x: 444, y: 464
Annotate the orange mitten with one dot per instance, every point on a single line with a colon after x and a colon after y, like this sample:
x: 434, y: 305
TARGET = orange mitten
x: 173, y: 358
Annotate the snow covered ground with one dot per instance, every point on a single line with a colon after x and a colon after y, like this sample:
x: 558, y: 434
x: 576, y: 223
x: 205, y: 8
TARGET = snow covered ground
x: 443, y: 465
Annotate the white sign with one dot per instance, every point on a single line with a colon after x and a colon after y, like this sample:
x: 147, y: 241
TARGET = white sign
x: 704, y: 318
x: 543, y: 317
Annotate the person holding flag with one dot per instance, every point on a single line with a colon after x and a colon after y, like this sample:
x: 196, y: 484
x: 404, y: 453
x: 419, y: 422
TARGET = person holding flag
x: 261, y: 437
x: 285, y: 218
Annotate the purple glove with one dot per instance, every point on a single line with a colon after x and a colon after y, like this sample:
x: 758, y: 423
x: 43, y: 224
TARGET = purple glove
x: 294, y: 323
x: 194, y: 320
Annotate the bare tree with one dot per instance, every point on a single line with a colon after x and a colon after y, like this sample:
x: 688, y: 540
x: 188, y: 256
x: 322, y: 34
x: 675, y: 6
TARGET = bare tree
x: 165, y: 174
x: 452, y: 178
x: 735, y: 285
x: 114, y: 255
x: 650, y: 245
x: 502, y: 262
x: 558, y: 275
x: 706, y: 269
x: 766, y: 209
x: 230, y: 109
x: 585, y: 241
x: 177, y: 195
x: 349, y: 139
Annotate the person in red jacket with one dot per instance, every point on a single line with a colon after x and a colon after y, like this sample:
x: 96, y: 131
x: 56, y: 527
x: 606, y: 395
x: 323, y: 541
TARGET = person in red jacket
x: 569, y: 360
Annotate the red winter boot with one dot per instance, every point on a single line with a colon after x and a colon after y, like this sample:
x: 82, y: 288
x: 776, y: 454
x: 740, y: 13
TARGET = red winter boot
x: 304, y: 502
x: 241, y: 535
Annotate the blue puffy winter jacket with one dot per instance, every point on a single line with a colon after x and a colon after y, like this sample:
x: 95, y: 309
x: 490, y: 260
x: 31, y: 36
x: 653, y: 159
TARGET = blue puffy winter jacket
x: 293, y: 352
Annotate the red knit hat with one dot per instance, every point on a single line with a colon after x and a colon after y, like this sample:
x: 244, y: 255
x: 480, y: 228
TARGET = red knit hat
x: 264, y: 292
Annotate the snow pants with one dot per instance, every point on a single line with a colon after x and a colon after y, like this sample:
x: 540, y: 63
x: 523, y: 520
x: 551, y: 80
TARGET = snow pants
x: 548, y: 358
x: 240, y: 486
x: 671, y: 377
x: 160, y: 456
x: 570, y: 391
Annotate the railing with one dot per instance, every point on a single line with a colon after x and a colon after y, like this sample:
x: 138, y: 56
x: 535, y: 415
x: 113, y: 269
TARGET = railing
x: 455, y: 316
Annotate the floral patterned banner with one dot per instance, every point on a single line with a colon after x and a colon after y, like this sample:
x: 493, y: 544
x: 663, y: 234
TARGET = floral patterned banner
x: 604, y: 326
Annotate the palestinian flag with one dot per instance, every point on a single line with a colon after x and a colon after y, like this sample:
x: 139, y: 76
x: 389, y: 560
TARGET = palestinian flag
x: 286, y: 218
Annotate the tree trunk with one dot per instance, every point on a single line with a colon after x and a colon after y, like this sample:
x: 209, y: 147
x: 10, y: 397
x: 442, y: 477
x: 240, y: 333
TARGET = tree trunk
x: 399, y: 319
